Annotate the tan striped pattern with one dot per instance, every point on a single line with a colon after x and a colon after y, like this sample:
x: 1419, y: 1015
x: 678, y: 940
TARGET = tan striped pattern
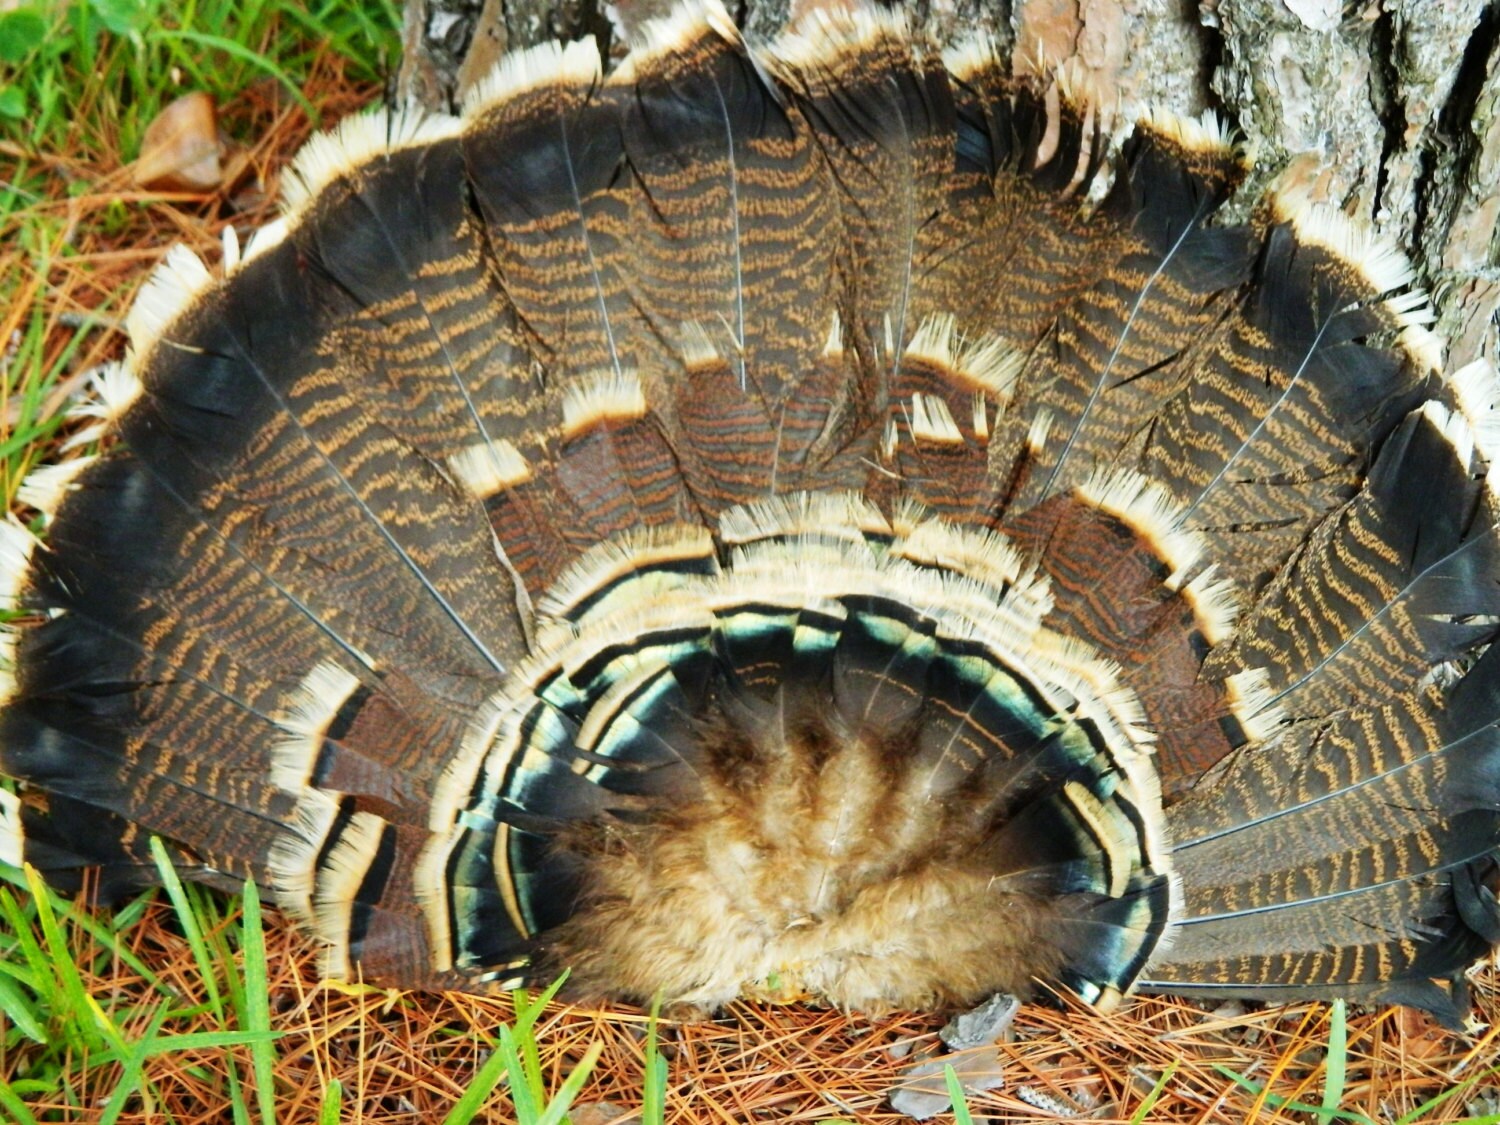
x: 565, y: 467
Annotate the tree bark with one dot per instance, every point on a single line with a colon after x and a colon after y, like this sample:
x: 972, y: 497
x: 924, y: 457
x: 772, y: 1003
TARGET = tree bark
x: 1391, y: 110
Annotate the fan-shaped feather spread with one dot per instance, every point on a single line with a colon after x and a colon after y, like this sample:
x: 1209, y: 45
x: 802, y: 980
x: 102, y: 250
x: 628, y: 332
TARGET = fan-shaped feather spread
x: 796, y: 514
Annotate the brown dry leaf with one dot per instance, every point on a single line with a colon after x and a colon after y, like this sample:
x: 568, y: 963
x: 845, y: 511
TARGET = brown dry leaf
x: 1421, y: 1036
x: 1082, y: 1082
x: 596, y: 1113
x: 181, y: 149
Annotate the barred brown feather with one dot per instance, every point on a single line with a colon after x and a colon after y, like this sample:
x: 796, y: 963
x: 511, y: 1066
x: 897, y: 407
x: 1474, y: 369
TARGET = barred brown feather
x: 804, y: 518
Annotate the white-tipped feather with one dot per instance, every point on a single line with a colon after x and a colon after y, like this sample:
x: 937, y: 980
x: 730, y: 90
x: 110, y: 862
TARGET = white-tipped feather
x: 46, y: 486
x: 975, y: 55
x: 672, y: 33
x: 313, y: 706
x: 1215, y: 603
x: 985, y: 556
x: 833, y: 347
x: 1081, y: 88
x: 698, y: 349
x: 356, y: 141
x: 1411, y: 307
x: 992, y: 364
x: 1454, y: 427
x: 337, y: 882
x: 1039, y: 431
x: 847, y: 515
x: 1425, y: 347
x: 173, y: 286
x: 606, y: 563
x: 292, y: 861
x: 12, y: 836
x: 1095, y: 681
x: 935, y: 340
x: 17, y: 545
x: 112, y: 389
x: 988, y: 363
x: 229, y: 239
x: 981, y: 417
x: 456, y: 781
x: 489, y: 467
x: 429, y: 882
x: 265, y: 238
x: 560, y: 648
x: 546, y: 64
x: 1413, y: 312
x: 932, y: 421
x: 605, y: 396
x: 824, y: 35
x: 1177, y: 900
x: 1252, y: 703
x: 1116, y: 710
x: 1208, y: 132
x: 1476, y: 387
x: 1151, y: 512
x: 1378, y: 260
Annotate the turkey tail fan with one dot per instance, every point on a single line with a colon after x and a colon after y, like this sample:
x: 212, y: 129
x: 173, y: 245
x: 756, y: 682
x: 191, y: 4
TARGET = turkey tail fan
x: 810, y: 517
x: 1372, y: 817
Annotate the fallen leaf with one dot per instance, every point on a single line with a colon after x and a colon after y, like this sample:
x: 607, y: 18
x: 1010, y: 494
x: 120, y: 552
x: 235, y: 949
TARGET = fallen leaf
x: 181, y: 148
x: 595, y: 1113
x: 1422, y: 1037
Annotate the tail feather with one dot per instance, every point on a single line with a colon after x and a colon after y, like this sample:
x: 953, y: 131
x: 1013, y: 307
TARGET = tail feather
x: 343, y: 513
x: 882, y: 117
x: 1273, y: 431
x: 432, y: 323
x: 1368, y: 842
x: 785, y: 513
x: 1116, y: 352
x: 1389, y: 587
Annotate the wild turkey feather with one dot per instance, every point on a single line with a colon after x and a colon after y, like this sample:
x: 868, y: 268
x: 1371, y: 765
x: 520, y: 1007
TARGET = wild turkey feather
x: 797, y: 518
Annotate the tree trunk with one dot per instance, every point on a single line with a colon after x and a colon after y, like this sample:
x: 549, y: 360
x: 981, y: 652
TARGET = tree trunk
x: 1390, y: 109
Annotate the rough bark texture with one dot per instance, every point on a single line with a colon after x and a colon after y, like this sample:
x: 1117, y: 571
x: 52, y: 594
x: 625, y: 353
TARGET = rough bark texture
x: 1390, y: 109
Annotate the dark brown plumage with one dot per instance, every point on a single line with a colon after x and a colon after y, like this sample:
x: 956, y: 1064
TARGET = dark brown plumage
x: 786, y: 521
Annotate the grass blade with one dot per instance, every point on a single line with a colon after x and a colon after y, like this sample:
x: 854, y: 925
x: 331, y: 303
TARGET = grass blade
x: 244, y: 54
x: 961, y: 1115
x: 485, y: 1079
x: 1337, y: 1064
x: 78, y: 1009
x: 1415, y: 1116
x: 1276, y: 1101
x: 560, y: 1102
x: 1154, y: 1096
x: 13, y: 1105
x: 654, y: 1092
x: 17, y: 1010
x: 188, y: 919
x: 521, y: 1092
x: 333, y: 1103
x: 132, y: 1073
x: 257, y: 1013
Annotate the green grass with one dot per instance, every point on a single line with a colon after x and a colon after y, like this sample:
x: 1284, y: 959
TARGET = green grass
x: 47, y: 944
x: 122, y: 60
x: 79, y: 84
x: 1329, y: 1110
